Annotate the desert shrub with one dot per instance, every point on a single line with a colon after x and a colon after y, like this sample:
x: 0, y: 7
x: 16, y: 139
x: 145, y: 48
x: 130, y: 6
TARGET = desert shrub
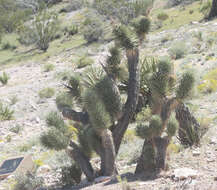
x: 15, y: 129
x: 198, y: 35
x: 41, y: 31
x: 209, y: 83
x: 178, y: 50
x: 122, y: 10
x: 7, y: 46
x: 5, y: 112
x: 73, y: 5
x: 48, y: 67
x: 84, y: 61
x: 28, y: 181
x: 11, y: 15
x: 93, y: 29
x: 71, y: 30
x: 172, y: 3
x: 4, y: 78
x: 71, y: 175
x: 46, y: 93
x: 162, y: 16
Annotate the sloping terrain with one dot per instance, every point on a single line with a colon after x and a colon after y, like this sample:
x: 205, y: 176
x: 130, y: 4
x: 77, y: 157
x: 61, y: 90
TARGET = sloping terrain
x: 28, y: 78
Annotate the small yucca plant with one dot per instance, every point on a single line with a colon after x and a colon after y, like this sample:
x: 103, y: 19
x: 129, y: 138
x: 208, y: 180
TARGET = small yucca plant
x: 5, y: 113
x: 4, y: 78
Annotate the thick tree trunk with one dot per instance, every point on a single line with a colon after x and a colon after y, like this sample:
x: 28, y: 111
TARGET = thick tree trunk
x: 83, y: 162
x: 189, y: 129
x: 161, y: 145
x: 213, y: 11
x: 146, y: 163
x: 108, y: 158
x: 132, y: 99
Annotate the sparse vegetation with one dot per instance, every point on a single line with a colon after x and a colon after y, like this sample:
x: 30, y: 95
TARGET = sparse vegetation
x: 46, y: 93
x: 178, y: 50
x: 5, y: 112
x: 48, y: 67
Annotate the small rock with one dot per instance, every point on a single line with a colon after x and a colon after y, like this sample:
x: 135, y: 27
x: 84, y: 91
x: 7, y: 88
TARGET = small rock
x: 102, y: 179
x: 196, y: 153
x: 184, y: 173
x: 43, y: 170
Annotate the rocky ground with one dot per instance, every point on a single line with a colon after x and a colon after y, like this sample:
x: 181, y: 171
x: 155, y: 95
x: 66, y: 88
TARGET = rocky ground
x: 27, y: 79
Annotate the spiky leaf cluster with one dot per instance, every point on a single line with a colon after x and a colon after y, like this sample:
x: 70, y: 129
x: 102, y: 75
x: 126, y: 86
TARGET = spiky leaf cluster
x: 141, y: 25
x: 75, y: 86
x: 99, y: 117
x: 113, y: 63
x: 110, y: 96
x: 149, y: 131
x: 53, y: 139
x: 125, y: 37
x: 172, y: 127
x: 185, y: 86
x: 64, y: 100
x: 159, y: 83
x: 58, y: 136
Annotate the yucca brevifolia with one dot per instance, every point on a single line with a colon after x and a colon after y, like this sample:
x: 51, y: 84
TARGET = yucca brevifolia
x: 163, y: 100
x: 103, y: 119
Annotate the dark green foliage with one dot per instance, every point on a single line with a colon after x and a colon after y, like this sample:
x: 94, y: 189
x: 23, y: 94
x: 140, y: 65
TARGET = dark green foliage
x: 4, y: 78
x: 125, y: 37
x: 84, y: 136
x: 172, y: 127
x: 141, y: 25
x: 99, y: 117
x: 54, y: 119
x: 160, y: 79
x: 58, y: 135
x: 185, y: 86
x: 71, y: 175
x: 64, y: 100
x: 143, y: 131
x: 54, y: 139
x: 7, y: 46
x: 75, y: 86
x: 107, y: 91
x: 162, y: 16
x: 155, y: 125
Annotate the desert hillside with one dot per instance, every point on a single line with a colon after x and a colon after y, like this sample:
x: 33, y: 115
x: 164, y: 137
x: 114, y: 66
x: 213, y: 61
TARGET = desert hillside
x: 69, y: 77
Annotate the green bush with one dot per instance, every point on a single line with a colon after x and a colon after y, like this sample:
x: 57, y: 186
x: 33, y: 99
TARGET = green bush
x: 84, y: 61
x: 71, y: 30
x: 41, y: 31
x: 28, y: 181
x: 46, y: 93
x: 71, y: 175
x: 4, y: 78
x: 8, y: 46
x: 5, y: 112
x: 93, y: 29
x: 73, y: 5
x: 162, y: 16
x: 48, y: 67
x: 122, y: 10
x: 178, y: 50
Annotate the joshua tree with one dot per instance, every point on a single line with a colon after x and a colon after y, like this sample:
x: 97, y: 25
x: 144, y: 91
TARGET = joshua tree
x: 102, y: 119
x: 213, y: 11
x: 164, y: 97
